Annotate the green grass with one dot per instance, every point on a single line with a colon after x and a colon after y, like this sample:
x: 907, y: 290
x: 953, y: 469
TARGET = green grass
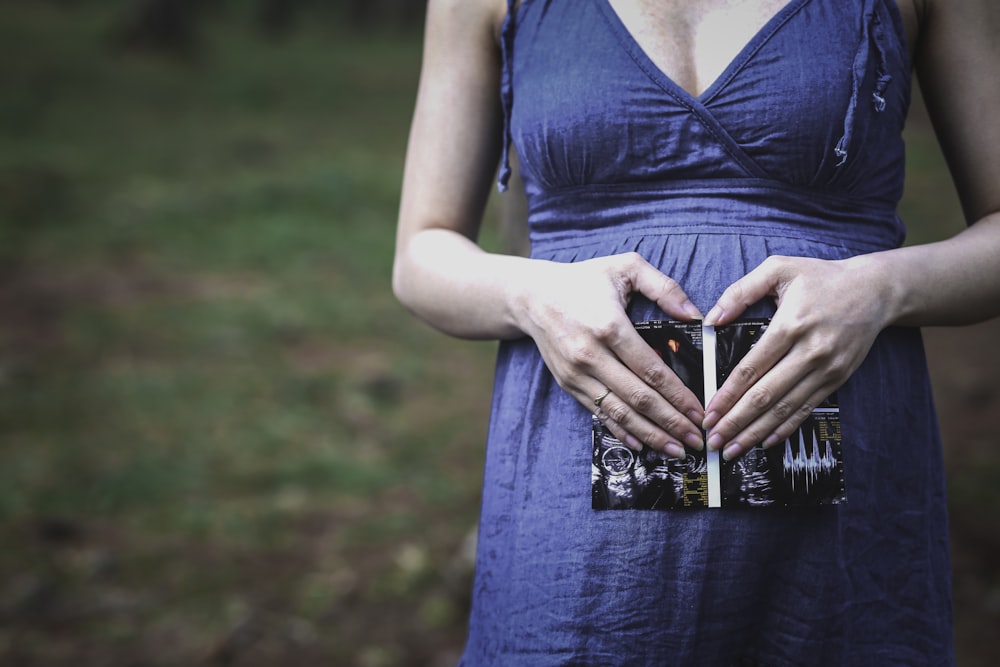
x: 206, y: 383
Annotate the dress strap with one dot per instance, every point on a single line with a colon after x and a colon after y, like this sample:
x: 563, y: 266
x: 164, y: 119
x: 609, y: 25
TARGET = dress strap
x: 872, y: 35
x: 507, y: 31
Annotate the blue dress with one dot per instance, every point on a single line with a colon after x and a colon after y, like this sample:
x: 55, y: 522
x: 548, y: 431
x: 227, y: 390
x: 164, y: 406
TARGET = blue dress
x: 794, y: 150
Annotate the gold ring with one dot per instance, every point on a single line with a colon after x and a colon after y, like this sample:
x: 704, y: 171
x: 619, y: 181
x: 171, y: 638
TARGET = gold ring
x: 600, y: 399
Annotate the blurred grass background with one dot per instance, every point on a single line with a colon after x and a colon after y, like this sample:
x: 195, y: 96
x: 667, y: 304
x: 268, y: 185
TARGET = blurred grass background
x: 221, y: 439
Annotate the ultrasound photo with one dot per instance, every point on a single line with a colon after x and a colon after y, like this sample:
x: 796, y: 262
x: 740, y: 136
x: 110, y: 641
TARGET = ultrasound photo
x: 806, y: 469
x: 647, y: 480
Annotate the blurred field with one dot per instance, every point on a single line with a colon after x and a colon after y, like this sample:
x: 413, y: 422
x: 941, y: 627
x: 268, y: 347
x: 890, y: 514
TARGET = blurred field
x: 221, y: 440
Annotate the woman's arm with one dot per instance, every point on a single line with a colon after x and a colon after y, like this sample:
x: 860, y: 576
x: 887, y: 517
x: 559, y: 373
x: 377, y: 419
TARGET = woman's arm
x: 450, y: 163
x: 813, y: 346
x: 574, y: 312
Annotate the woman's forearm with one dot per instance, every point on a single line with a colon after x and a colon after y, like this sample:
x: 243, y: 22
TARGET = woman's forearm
x: 452, y: 284
x: 950, y: 282
x: 575, y: 313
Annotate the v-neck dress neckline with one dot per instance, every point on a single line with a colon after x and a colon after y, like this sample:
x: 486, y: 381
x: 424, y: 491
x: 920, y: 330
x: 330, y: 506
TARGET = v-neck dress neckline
x: 742, y: 57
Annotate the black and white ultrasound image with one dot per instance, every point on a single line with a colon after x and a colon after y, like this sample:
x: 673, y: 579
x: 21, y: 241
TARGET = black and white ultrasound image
x: 625, y: 479
x: 805, y: 469
x: 679, y: 344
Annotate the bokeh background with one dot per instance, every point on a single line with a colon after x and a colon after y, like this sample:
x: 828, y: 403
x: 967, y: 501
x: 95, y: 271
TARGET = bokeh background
x: 222, y: 442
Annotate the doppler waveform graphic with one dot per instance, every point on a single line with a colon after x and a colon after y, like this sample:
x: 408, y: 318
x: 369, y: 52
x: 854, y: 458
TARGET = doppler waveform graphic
x: 809, y: 465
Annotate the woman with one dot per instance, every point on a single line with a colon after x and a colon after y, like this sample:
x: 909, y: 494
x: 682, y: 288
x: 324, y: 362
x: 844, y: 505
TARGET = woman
x: 728, y: 157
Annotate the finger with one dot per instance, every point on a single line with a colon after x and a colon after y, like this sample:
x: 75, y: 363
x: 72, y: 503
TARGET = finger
x: 784, y: 395
x: 777, y: 393
x: 787, y: 428
x: 662, y: 290
x: 653, y: 389
x: 761, y: 282
x: 769, y: 389
x: 644, y: 413
x: 616, y: 429
x: 636, y: 407
x: 773, y: 346
x: 629, y: 427
x: 788, y: 412
x: 781, y: 432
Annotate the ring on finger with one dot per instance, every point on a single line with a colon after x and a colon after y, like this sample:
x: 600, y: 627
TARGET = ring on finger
x: 600, y: 399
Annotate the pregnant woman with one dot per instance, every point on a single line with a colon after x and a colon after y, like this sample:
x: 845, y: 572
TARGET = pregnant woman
x: 704, y: 159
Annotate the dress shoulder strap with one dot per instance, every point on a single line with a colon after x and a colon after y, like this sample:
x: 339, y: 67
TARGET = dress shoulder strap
x: 871, y: 45
x: 507, y: 31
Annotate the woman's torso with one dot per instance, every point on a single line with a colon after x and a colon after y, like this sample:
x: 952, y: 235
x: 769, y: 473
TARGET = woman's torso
x: 618, y: 157
x: 800, y: 128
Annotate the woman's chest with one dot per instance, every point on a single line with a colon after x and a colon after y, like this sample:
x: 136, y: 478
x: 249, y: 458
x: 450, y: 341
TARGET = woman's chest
x: 693, y: 41
x: 593, y: 104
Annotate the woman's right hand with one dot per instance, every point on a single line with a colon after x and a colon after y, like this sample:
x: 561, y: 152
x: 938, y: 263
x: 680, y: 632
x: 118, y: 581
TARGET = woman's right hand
x: 576, y: 315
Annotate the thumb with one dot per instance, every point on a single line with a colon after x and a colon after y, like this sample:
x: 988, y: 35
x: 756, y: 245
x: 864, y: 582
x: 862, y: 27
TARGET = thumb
x: 662, y: 290
x: 748, y: 290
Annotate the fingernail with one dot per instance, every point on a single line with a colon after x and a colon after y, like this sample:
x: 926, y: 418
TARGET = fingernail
x: 714, y: 315
x: 715, y: 441
x: 710, y: 420
x: 694, y: 441
x: 633, y: 442
x: 771, y: 441
x: 691, y: 310
x: 675, y: 450
x: 695, y: 416
x: 731, y: 451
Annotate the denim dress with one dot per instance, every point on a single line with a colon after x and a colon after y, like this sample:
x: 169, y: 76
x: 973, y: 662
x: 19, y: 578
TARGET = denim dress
x: 795, y: 149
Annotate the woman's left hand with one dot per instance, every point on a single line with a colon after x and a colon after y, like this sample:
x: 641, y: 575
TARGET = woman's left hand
x: 828, y: 315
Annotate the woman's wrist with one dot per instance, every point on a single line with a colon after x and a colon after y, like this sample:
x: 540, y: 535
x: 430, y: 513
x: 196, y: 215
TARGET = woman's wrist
x: 522, y: 285
x: 883, y: 277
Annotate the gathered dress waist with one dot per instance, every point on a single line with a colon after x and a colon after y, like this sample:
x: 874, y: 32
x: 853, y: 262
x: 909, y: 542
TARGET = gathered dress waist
x: 581, y: 216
